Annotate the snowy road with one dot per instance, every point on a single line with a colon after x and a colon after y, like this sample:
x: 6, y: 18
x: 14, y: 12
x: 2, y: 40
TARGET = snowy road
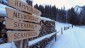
x: 72, y: 38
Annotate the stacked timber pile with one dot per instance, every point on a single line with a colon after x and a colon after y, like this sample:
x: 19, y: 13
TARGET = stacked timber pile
x: 47, y: 27
x: 3, y: 36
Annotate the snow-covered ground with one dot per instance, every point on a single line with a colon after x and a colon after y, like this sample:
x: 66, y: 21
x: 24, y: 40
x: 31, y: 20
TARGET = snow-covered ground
x: 71, y: 38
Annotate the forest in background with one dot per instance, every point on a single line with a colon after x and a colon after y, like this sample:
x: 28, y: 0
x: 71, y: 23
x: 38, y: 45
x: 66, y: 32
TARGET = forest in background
x: 62, y: 15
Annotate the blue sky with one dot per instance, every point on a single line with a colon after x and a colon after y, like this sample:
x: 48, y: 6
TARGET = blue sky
x: 61, y: 3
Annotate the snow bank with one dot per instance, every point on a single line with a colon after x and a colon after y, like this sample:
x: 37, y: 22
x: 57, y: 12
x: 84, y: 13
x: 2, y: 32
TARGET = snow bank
x: 45, y: 19
x: 2, y: 10
x: 8, y: 45
x: 2, y: 6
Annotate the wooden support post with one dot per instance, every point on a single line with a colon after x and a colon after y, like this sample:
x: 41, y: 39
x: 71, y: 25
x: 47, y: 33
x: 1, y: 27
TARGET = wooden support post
x: 25, y: 43
x: 18, y: 44
x: 55, y: 35
x: 61, y: 31
x: 72, y: 25
x: 22, y: 43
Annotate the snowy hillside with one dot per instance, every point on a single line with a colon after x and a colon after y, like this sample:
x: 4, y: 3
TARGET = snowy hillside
x: 78, y: 9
